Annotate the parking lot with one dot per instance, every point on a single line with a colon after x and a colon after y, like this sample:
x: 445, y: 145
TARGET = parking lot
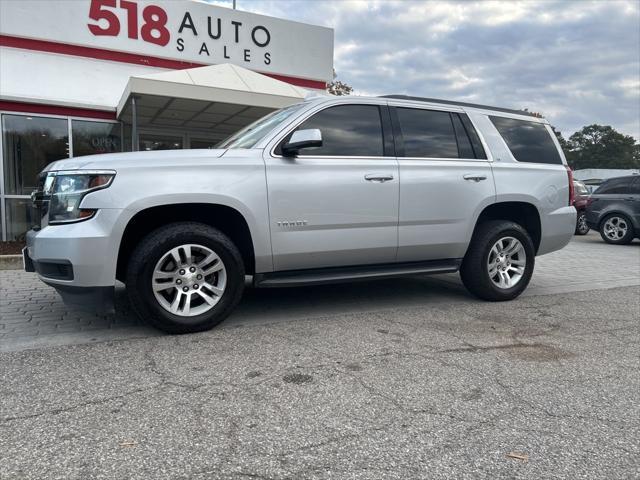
x: 403, y: 378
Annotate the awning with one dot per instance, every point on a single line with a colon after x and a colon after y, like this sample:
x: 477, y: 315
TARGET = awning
x: 221, y: 98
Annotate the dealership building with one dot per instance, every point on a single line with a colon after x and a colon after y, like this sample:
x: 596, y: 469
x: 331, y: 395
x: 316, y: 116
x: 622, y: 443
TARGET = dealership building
x: 81, y: 77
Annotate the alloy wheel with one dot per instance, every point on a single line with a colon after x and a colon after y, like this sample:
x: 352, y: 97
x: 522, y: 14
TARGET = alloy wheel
x: 189, y: 280
x: 506, y: 262
x: 582, y: 223
x: 615, y: 228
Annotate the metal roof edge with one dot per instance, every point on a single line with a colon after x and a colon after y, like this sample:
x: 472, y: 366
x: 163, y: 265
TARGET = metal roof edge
x: 460, y: 104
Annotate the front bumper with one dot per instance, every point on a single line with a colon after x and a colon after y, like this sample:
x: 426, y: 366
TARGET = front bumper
x: 78, y: 260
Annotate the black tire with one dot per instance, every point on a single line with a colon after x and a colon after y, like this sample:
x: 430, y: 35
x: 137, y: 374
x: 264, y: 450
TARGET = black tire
x: 581, y: 224
x: 158, y: 243
x: 624, y: 240
x: 475, y: 272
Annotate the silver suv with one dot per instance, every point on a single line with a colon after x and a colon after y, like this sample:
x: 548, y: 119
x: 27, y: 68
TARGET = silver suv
x: 329, y: 190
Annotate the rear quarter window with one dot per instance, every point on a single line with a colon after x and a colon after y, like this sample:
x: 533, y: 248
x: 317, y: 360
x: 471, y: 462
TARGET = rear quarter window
x: 615, y: 186
x: 528, y: 141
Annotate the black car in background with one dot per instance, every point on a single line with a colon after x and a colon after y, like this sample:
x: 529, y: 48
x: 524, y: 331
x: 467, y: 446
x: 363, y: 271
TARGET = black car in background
x: 614, y: 209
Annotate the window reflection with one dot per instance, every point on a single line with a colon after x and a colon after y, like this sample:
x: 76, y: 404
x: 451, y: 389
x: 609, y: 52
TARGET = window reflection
x: 347, y: 130
x: 29, y: 145
x: 528, y: 141
x: 19, y: 218
x: 95, y: 137
x: 427, y: 133
x: 159, y: 142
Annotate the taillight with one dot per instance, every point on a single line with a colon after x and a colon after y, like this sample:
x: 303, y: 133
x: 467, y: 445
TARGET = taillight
x: 572, y: 190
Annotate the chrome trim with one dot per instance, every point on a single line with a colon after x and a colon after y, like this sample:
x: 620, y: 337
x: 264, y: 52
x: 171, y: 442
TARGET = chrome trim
x: 444, y: 159
x: 81, y: 172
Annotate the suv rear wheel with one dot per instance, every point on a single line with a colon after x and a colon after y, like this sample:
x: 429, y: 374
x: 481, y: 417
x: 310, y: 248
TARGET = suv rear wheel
x: 499, y: 262
x: 185, y: 277
x: 617, y: 229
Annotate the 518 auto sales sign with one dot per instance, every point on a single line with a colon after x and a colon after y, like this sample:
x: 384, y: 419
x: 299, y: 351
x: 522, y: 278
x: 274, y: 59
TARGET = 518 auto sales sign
x: 185, y: 30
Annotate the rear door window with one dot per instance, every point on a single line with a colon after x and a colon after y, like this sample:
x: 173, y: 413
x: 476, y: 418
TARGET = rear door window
x: 476, y: 144
x: 528, y: 141
x: 427, y: 133
x: 465, y: 150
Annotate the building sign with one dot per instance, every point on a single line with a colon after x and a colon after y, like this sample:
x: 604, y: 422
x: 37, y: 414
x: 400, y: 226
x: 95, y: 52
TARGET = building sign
x: 190, y: 31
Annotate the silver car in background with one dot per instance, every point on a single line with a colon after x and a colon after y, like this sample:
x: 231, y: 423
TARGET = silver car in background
x: 329, y: 190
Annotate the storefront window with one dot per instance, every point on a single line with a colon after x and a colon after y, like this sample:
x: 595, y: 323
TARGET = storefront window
x: 29, y: 145
x: 19, y: 221
x: 199, y: 143
x: 159, y: 142
x: 95, y: 137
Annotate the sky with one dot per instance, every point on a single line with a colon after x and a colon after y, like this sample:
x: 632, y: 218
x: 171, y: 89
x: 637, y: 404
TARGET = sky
x: 576, y: 62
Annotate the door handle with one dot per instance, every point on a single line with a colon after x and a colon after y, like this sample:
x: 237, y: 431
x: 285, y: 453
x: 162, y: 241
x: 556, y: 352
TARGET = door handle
x: 378, y: 177
x: 475, y: 178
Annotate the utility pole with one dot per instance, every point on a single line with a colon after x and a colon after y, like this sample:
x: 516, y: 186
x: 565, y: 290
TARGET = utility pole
x: 234, y: 4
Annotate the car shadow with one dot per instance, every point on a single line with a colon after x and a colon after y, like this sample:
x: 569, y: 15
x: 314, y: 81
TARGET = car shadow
x: 282, y: 304
x: 267, y: 305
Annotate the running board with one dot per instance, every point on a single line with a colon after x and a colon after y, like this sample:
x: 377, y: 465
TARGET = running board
x: 295, y: 278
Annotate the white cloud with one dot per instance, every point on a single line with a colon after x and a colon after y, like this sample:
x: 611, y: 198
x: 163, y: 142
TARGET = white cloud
x: 577, y: 62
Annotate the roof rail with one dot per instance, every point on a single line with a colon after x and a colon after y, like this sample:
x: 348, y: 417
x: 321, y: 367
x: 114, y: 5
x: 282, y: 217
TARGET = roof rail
x: 460, y: 104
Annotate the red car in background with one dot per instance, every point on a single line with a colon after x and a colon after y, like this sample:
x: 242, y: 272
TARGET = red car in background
x: 580, y: 202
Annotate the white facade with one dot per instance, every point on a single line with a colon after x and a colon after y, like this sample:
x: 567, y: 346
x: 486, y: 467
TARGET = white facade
x: 65, y: 65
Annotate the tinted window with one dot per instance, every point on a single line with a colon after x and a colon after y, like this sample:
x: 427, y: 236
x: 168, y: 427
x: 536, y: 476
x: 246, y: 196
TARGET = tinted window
x: 528, y: 141
x: 615, y: 186
x: 478, y: 149
x: 347, y: 131
x: 427, y: 133
x: 465, y: 149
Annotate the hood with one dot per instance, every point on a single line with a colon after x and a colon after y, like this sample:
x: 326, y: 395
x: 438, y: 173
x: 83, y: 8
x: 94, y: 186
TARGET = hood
x: 113, y: 161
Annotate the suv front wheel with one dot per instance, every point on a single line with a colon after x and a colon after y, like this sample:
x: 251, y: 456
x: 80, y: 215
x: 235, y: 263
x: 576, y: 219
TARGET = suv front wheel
x: 185, y: 277
x: 499, y: 262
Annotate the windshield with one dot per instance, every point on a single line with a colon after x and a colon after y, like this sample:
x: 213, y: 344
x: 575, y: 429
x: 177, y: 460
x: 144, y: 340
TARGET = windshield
x: 253, y: 133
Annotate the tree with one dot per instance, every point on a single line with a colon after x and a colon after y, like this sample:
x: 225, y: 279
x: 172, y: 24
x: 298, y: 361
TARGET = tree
x: 339, y: 88
x: 599, y: 146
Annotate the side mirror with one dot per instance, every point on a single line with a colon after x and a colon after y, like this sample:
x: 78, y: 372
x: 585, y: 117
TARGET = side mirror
x: 302, y: 139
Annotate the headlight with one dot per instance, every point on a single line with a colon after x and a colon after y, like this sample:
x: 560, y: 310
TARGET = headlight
x: 65, y: 191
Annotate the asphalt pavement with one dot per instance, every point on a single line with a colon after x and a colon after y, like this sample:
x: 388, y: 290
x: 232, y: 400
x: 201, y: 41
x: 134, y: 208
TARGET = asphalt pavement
x: 413, y: 379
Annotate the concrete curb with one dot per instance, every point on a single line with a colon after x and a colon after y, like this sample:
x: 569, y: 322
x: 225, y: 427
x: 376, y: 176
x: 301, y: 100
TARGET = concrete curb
x: 11, y: 262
